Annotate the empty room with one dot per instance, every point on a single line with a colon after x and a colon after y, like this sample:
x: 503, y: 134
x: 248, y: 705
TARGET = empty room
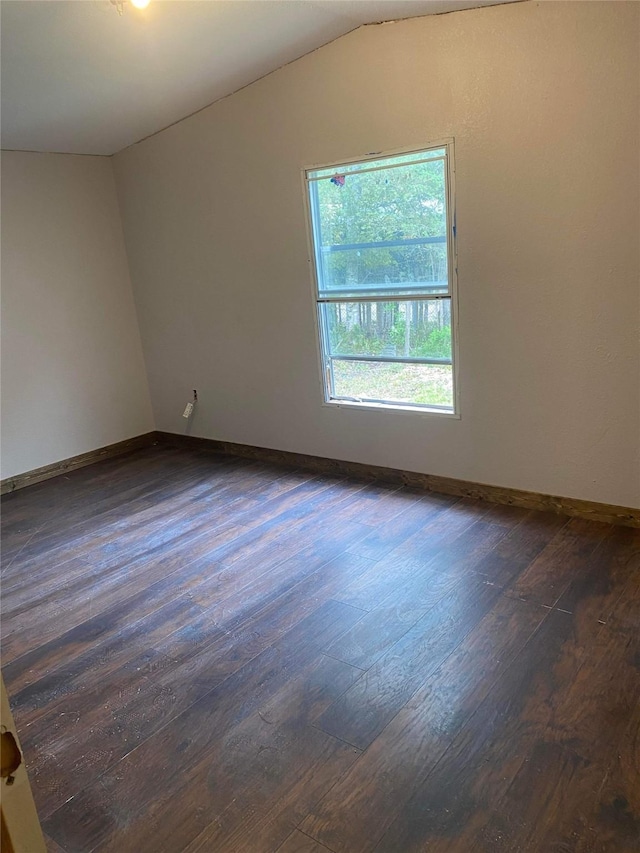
x: 320, y: 426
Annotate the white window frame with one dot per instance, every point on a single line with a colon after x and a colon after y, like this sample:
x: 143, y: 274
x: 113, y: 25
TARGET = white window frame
x: 452, y: 294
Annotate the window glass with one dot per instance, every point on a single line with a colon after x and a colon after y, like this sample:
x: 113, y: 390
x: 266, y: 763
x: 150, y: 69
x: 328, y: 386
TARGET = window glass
x: 383, y: 229
x: 382, y: 244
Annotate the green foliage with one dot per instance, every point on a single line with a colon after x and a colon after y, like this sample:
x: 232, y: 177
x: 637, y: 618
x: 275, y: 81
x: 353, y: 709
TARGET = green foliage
x: 355, y: 341
x: 397, y: 334
x: 394, y: 204
x: 434, y: 343
x: 426, y: 384
x: 437, y: 343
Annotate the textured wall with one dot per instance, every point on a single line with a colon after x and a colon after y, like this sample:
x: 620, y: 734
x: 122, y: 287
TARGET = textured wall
x: 73, y: 376
x: 542, y: 100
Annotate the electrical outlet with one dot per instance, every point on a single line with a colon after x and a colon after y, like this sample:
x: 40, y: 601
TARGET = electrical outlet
x: 188, y: 409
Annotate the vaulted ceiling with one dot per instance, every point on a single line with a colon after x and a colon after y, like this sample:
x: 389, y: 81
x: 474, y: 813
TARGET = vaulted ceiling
x: 78, y: 77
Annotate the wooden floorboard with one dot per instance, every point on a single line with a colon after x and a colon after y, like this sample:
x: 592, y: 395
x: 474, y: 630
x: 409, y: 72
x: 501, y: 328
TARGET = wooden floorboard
x: 208, y: 653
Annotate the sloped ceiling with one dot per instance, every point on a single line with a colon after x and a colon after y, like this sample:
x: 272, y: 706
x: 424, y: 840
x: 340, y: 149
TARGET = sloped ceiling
x: 78, y: 77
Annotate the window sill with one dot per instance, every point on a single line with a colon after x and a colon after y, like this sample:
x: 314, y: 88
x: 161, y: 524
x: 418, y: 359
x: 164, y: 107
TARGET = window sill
x: 389, y: 407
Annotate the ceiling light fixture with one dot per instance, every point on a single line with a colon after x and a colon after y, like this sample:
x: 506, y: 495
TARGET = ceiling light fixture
x: 122, y: 4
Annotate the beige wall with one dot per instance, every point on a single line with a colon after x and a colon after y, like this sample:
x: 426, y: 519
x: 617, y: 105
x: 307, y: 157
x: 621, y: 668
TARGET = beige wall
x: 542, y: 100
x: 73, y: 376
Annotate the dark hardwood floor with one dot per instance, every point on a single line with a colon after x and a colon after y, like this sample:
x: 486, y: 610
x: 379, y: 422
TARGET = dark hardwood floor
x: 206, y: 653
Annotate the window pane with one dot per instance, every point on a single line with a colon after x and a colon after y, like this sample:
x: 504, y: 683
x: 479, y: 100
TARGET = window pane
x: 415, y: 329
x: 382, y: 229
x: 421, y: 384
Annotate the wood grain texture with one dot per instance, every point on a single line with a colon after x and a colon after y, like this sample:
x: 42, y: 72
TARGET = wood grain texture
x: 355, y: 812
x: 212, y: 652
x: 51, y: 845
x: 298, y: 842
x: 37, y: 475
x: 591, y: 510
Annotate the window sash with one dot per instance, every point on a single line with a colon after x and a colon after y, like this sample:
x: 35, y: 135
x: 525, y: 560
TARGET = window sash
x: 323, y: 251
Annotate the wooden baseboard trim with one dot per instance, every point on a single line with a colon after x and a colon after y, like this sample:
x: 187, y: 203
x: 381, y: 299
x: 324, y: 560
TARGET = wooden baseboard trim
x: 20, y: 481
x: 444, y: 485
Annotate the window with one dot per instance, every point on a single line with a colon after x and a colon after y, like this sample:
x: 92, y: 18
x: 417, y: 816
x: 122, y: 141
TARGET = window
x: 382, y: 238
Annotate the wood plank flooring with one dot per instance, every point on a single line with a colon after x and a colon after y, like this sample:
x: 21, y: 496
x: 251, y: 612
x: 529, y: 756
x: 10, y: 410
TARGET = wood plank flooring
x: 207, y: 653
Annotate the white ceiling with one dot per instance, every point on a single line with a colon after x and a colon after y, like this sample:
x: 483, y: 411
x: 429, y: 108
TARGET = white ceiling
x: 78, y: 78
